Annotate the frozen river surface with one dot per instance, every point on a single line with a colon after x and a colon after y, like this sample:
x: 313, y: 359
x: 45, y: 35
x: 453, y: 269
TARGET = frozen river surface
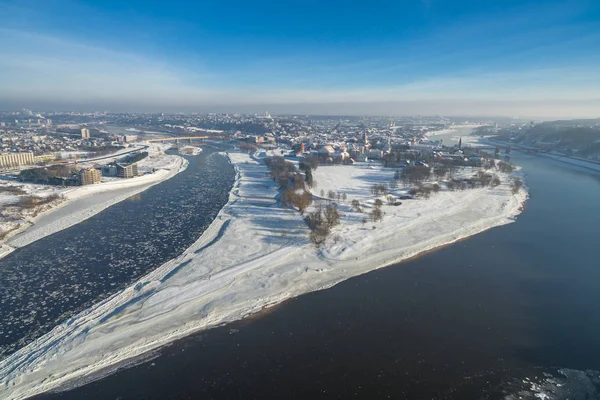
x: 53, y: 278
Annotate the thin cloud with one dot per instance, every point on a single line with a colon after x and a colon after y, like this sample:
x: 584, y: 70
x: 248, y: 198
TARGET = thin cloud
x: 46, y: 70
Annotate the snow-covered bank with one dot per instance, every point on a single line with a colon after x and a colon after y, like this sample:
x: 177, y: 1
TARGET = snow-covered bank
x: 83, y: 202
x: 255, y: 254
x: 573, y: 161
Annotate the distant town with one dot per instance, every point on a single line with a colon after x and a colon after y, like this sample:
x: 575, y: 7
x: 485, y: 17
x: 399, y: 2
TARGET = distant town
x: 49, y: 142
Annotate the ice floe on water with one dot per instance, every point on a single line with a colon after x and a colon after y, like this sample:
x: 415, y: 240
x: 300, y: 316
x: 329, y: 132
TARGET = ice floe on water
x: 60, y: 275
x: 563, y: 384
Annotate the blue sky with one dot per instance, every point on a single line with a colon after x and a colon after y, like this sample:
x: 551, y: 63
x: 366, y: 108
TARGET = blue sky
x: 454, y: 57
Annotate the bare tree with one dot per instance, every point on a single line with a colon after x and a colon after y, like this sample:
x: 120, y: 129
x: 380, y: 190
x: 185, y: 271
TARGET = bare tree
x: 516, y: 185
x: 452, y: 169
x: 291, y: 198
x: 378, y: 189
x: 318, y: 237
x: 314, y: 219
x: 298, y: 182
x: 506, y: 167
x: 309, y: 176
x: 286, y: 198
x: 415, y: 175
x: 376, y: 215
x: 303, y: 201
x: 318, y: 225
x: 332, y: 215
x: 440, y: 172
x: 313, y: 161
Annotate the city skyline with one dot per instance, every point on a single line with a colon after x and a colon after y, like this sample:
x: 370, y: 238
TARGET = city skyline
x: 509, y: 58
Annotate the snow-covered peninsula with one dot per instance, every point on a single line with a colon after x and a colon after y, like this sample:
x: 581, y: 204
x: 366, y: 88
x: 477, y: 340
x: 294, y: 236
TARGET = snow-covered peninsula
x: 255, y: 254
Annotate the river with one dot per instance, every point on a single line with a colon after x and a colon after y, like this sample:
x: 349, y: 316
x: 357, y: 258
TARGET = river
x: 46, y: 282
x: 451, y: 138
x: 476, y: 319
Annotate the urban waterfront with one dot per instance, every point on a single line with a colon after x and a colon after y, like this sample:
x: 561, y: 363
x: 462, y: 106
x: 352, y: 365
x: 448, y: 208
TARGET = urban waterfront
x: 472, y: 320
x: 52, y: 279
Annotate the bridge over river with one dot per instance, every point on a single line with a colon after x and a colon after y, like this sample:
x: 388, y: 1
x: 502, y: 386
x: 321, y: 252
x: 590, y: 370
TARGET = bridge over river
x: 177, y: 139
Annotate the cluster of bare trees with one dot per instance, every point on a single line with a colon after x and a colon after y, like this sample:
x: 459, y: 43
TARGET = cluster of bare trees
x: 36, y: 201
x: 415, y: 175
x: 15, y: 190
x: 379, y: 189
x: 281, y: 170
x: 333, y: 195
x: 248, y: 147
x: 291, y: 183
x: 516, y: 185
x: 447, y: 170
x: 312, y: 162
x: 32, y: 201
x: 505, y: 167
x: 321, y: 221
x: 308, y: 167
x: 425, y: 191
x: 480, y: 179
x: 421, y: 191
x: 35, y: 204
x: 301, y: 199
x: 484, y: 179
x: 377, y: 213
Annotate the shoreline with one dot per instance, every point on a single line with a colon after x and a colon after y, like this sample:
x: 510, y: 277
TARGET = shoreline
x: 152, y: 299
x: 571, y: 161
x: 91, y: 199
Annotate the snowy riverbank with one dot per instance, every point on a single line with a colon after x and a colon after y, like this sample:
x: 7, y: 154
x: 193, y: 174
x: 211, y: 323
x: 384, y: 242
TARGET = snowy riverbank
x: 83, y: 202
x: 255, y: 254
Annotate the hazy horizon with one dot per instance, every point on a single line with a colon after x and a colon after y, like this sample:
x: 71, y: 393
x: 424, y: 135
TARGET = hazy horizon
x: 334, y: 110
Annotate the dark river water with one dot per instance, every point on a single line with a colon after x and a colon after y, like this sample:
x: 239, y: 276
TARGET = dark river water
x: 49, y: 280
x: 474, y: 320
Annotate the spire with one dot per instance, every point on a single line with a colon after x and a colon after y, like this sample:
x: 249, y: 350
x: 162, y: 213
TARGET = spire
x: 460, y: 143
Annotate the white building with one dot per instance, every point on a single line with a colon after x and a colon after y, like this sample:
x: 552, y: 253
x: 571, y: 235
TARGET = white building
x: 12, y: 160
